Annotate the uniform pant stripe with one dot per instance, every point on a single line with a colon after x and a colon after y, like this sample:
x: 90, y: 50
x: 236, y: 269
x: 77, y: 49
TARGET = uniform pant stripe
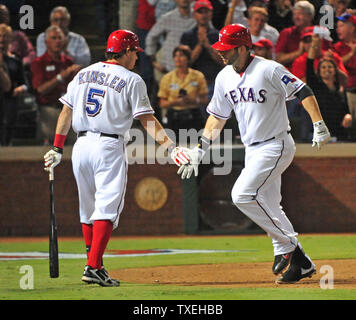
x: 124, y: 190
x: 279, y: 158
x: 265, y: 212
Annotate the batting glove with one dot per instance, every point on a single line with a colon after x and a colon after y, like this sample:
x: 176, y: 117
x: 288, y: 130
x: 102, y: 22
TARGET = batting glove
x: 180, y: 156
x: 52, y: 158
x: 195, y: 155
x: 321, y: 134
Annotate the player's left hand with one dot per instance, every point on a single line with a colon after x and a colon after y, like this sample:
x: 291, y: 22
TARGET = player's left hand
x: 321, y: 134
x: 195, y: 155
x: 52, y: 158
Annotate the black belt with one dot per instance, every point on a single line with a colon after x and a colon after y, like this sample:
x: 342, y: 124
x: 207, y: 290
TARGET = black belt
x: 102, y: 134
x: 256, y: 143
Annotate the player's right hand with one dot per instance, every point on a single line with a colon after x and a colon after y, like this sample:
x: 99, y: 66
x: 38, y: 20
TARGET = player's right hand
x: 180, y: 156
x: 321, y: 134
x: 195, y: 155
x: 52, y: 158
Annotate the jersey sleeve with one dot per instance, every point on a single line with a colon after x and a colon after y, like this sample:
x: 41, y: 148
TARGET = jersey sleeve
x: 139, y: 101
x: 286, y: 83
x: 219, y: 106
x: 68, y: 98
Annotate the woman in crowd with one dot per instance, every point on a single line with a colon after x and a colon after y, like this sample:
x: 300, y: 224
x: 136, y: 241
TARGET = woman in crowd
x: 330, y: 95
x: 182, y: 92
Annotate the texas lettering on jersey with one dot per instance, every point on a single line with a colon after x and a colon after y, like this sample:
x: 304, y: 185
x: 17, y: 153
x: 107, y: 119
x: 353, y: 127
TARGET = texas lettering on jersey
x: 247, y: 95
x: 102, y: 78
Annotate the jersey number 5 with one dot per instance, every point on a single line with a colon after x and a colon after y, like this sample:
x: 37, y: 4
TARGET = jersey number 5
x: 93, y: 107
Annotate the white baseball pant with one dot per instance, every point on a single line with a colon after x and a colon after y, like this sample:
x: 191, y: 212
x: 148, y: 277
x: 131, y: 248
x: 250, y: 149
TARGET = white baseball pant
x: 257, y: 191
x: 100, y: 170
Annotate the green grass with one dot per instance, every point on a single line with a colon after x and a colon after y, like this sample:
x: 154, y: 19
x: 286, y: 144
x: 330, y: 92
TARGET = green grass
x: 69, y: 287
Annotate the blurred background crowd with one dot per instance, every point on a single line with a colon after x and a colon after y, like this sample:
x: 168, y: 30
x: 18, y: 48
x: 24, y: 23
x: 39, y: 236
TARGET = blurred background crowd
x: 315, y: 39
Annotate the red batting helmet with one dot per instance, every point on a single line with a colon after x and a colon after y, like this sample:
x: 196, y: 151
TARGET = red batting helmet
x: 232, y: 36
x: 122, y: 39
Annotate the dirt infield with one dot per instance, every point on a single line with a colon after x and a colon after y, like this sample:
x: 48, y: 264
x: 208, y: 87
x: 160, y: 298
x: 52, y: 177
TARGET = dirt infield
x: 237, y: 275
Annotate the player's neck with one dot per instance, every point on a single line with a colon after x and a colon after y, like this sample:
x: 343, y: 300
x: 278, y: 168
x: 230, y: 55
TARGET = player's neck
x: 114, y: 61
x: 242, y: 62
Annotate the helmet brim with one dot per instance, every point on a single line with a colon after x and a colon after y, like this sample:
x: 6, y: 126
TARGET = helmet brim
x: 223, y: 47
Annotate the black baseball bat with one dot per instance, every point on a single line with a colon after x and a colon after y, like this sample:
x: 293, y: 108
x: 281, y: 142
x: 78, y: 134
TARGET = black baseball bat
x: 53, y: 240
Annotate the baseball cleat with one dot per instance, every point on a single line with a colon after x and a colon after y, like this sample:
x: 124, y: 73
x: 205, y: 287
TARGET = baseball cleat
x: 300, y: 267
x: 281, y: 262
x: 296, y: 273
x: 99, y: 276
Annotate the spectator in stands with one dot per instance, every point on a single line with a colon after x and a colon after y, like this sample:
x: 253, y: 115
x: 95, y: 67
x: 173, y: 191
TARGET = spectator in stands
x: 263, y: 48
x: 171, y: 25
x: 257, y: 22
x: 51, y: 74
x: 280, y: 14
x: 199, y: 39
x: 346, y: 48
x: 162, y: 6
x: 289, y: 47
x: 236, y: 13
x: 144, y: 22
x: 326, y: 87
x: 183, y: 91
x: 75, y: 45
x: 20, y: 45
x: 18, y: 85
x: 340, y: 7
x: 299, y: 66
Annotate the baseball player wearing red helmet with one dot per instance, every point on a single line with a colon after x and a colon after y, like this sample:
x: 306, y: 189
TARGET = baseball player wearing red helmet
x: 255, y: 89
x: 100, y: 104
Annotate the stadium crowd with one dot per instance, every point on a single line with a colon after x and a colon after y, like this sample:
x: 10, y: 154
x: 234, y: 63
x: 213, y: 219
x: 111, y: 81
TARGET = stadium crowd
x: 315, y: 39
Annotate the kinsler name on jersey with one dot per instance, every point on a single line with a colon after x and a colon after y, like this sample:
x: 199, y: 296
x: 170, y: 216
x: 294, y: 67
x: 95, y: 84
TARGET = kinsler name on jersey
x: 247, y: 95
x: 102, y: 78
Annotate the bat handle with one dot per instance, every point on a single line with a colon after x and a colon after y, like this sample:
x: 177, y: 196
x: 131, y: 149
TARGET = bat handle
x: 51, y: 174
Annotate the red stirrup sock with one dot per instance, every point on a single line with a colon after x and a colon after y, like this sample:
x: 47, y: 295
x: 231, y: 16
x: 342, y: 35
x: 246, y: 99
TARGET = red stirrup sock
x: 102, y: 230
x: 87, y: 230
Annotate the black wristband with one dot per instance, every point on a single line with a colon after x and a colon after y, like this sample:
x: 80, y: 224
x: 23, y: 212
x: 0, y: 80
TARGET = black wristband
x: 58, y: 149
x: 204, y: 143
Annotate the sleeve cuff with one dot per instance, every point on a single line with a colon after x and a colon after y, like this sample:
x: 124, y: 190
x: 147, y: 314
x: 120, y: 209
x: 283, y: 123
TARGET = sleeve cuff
x: 218, y: 115
x: 65, y: 102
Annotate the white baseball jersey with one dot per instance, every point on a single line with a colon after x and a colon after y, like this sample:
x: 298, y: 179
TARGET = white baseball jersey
x: 257, y: 96
x: 106, y: 97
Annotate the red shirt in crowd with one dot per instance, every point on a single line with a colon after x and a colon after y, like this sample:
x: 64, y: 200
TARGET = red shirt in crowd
x: 145, y: 15
x: 299, y: 66
x: 342, y: 49
x: 43, y: 69
x: 289, y: 39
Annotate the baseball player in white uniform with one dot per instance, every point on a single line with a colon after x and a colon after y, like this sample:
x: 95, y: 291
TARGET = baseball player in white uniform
x: 255, y: 89
x: 100, y: 104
